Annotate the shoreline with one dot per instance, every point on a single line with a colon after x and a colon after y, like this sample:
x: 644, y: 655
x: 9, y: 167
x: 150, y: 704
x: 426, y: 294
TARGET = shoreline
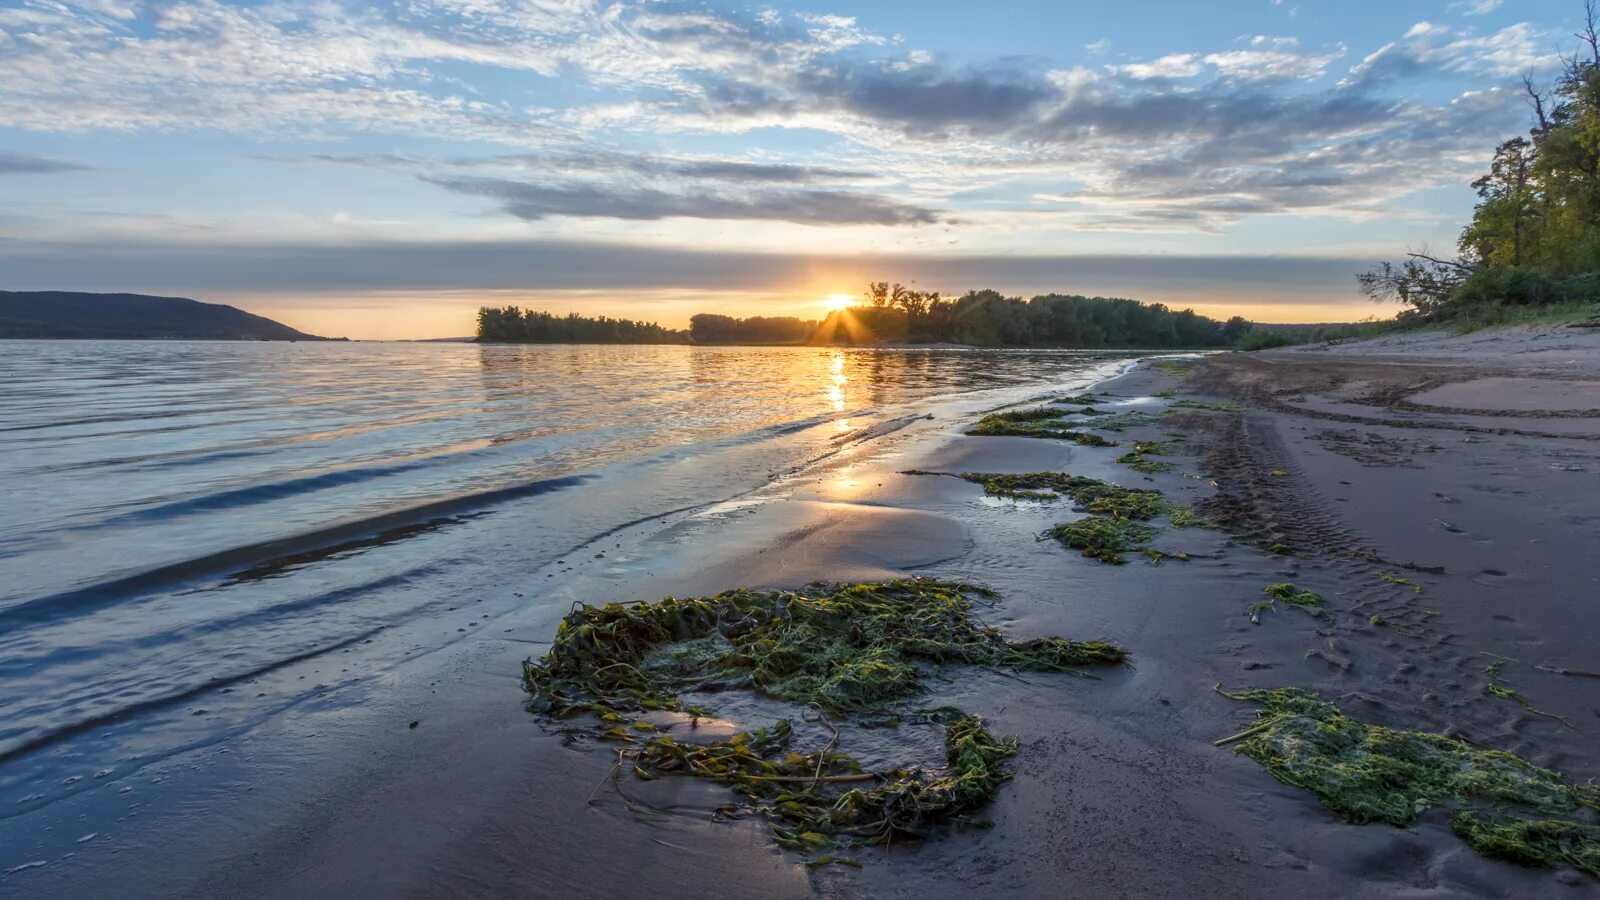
x: 1117, y: 788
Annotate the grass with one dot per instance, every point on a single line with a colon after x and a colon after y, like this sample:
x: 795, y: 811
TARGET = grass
x: 1478, y: 317
x: 840, y: 648
x: 1505, y: 808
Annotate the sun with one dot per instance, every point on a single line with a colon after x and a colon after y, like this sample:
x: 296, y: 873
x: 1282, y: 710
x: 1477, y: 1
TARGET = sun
x: 836, y: 302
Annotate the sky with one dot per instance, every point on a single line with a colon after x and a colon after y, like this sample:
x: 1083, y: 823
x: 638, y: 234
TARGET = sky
x: 380, y: 170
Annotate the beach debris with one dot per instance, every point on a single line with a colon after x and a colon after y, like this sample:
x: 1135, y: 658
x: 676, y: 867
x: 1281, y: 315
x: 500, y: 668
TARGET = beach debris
x: 1227, y: 406
x: 1039, y: 422
x: 1175, y: 369
x: 1112, y: 527
x: 1102, y: 537
x: 1138, y: 458
x: 1309, y: 601
x: 1388, y: 578
x: 1557, y: 670
x: 1496, y: 688
x: 1505, y: 808
x: 843, y: 649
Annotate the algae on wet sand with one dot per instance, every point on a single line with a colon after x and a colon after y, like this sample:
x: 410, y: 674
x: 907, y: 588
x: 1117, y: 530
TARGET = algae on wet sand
x: 840, y: 648
x: 1504, y: 806
x: 1040, y: 422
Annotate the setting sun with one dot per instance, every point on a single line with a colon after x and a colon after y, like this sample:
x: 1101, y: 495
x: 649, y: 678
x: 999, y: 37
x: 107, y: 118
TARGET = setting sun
x: 836, y: 302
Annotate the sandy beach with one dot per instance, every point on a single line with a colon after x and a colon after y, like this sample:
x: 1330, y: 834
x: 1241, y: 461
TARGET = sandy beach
x: 1438, y: 492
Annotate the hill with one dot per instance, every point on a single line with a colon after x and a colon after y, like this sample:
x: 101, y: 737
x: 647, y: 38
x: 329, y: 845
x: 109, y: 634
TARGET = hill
x: 67, y: 314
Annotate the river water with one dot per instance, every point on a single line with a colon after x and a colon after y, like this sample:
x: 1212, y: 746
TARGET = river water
x: 181, y: 520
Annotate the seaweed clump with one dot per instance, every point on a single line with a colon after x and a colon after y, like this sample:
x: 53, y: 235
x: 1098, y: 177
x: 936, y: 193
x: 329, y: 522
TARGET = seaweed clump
x: 1086, y: 399
x: 1227, y: 406
x: 1505, y: 807
x: 1139, y: 460
x: 1103, y: 538
x: 1496, y: 688
x: 1040, y: 422
x: 824, y: 800
x: 842, y: 648
x: 1310, y: 601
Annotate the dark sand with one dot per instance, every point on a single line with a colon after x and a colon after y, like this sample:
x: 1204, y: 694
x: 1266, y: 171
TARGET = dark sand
x: 1439, y: 469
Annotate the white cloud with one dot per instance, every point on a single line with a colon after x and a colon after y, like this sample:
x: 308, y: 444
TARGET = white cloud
x: 1176, y: 65
x: 1098, y: 47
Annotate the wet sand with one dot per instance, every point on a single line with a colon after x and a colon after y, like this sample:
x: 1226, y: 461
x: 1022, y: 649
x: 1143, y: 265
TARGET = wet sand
x: 1443, y: 469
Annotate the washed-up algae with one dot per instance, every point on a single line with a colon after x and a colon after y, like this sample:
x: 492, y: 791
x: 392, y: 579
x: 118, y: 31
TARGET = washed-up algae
x: 841, y: 648
x: 1078, y: 400
x: 1113, y: 527
x: 1103, y: 538
x: 1496, y: 688
x: 1139, y: 459
x: 1227, y: 406
x: 1310, y: 601
x: 1040, y: 422
x: 1504, y: 807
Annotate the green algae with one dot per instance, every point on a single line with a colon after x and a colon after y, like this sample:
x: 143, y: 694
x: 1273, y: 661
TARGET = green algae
x: 1090, y: 495
x: 1102, y: 538
x: 1505, y: 807
x: 1227, y: 406
x: 1387, y: 578
x: 840, y: 648
x: 1035, y: 423
x: 1078, y: 400
x: 1119, y: 422
x: 1495, y: 688
x: 1139, y: 460
x: 825, y: 799
x: 1175, y: 369
x: 1285, y: 592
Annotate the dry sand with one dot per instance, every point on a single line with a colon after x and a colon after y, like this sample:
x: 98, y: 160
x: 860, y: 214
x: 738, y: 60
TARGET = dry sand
x: 1441, y: 467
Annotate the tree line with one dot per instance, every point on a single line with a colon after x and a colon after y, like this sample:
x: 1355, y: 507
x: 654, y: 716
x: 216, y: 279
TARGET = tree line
x: 990, y: 319
x: 1534, y: 238
x: 514, y: 325
x: 894, y: 314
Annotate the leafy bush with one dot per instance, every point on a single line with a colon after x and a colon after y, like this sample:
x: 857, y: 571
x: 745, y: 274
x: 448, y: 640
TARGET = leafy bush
x: 1264, y: 340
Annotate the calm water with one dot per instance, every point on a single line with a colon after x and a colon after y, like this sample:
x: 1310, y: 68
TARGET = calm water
x: 181, y: 518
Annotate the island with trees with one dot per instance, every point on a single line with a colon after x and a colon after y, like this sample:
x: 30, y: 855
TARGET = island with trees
x: 894, y: 314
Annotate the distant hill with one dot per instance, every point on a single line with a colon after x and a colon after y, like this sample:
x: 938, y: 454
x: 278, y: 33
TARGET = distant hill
x: 67, y: 314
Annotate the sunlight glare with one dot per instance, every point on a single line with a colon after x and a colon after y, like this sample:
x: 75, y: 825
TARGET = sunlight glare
x: 836, y: 302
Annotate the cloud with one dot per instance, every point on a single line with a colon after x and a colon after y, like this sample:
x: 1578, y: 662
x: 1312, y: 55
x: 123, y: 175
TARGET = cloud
x: 1258, y: 65
x: 1431, y: 48
x: 1476, y: 7
x: 570, y: 265
x: 1195, y: 140
x: 532, y: 202
x: 721, y: 169
x: 1098, y: 47
x: 14, y: 164
x: 1176, y: 65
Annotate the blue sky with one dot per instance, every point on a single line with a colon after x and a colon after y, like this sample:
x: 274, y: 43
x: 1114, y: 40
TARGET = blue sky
x: 379, y: 170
